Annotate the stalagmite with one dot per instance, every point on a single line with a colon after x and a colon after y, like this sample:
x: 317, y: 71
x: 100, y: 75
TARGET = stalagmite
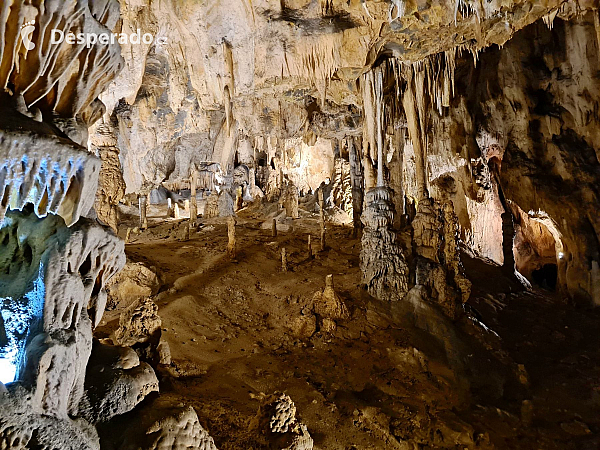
x: 382, y: 262
x: 274, y: 228
x: 128, y: 235
x: 284, y: 262
x: 170, y: 212
x: 143, y: 204
x: 176, y: 213
x: 310, y: 249
x: 289, y: 201
x: 231, y: 245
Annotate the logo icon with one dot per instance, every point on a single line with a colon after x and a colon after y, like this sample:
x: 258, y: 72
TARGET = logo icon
x: 26, y: 34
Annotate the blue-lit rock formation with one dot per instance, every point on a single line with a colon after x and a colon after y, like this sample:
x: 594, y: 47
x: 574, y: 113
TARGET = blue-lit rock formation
x: 54, y: 262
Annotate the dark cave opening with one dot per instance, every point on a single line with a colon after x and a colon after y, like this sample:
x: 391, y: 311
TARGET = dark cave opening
x: 546, y: 276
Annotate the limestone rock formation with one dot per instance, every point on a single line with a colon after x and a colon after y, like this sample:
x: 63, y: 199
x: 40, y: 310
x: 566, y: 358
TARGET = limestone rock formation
x: 289, y: 201
x: 134, y: 282
x: 276, y: 420
x: 52, y: 299
x: 341, y: 186
x: 61, y: 77
x: 383, y: 266
x: 329, y: 306
x: 58, y: 287
x: 454, y: 130
x: 111, y: 186
x: 55, y: 175
x: 24, y: 426
x: 427, y: 229
x: 161, y: 424
x: 116, y: 382
x: 52, y: 286
x: 139, y: 323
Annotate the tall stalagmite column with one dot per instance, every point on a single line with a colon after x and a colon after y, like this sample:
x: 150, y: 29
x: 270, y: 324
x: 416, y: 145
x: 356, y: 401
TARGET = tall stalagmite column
x: 382, y: 262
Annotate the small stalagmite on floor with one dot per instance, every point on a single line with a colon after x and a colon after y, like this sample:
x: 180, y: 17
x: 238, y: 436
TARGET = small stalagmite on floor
x: 231, y: 246
x: 143, y: 205
x: 329, y: 306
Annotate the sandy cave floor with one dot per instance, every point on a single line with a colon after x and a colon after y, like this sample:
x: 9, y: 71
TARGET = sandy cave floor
x: 235, y: 328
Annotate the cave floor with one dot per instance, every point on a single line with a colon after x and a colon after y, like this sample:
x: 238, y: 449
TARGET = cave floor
x: 237, y: 329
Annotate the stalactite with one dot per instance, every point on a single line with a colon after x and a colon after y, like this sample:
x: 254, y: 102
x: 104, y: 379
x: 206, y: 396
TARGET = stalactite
x: 314, y: 59
x: 228, y: 109
x: 228, y: 53
x: 597, y: 26
x: 379, y: 113
x: 364, y: 5
x: 369, y: 126
x: 399, y: 7
x: 549, y: 18
x: 420, y: 87
x: 409, y: 101
x: 326, y: 7
x: 61, y: 77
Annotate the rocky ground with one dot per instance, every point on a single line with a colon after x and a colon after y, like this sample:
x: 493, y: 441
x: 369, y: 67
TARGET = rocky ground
x: 240, y: 328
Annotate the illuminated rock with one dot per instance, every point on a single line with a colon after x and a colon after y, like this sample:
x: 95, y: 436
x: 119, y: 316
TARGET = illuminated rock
x: 51, y: 173
x: 52, y: 280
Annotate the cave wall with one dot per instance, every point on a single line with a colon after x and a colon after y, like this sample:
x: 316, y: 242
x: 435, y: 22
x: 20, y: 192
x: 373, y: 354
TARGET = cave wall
x: 542, y: 107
